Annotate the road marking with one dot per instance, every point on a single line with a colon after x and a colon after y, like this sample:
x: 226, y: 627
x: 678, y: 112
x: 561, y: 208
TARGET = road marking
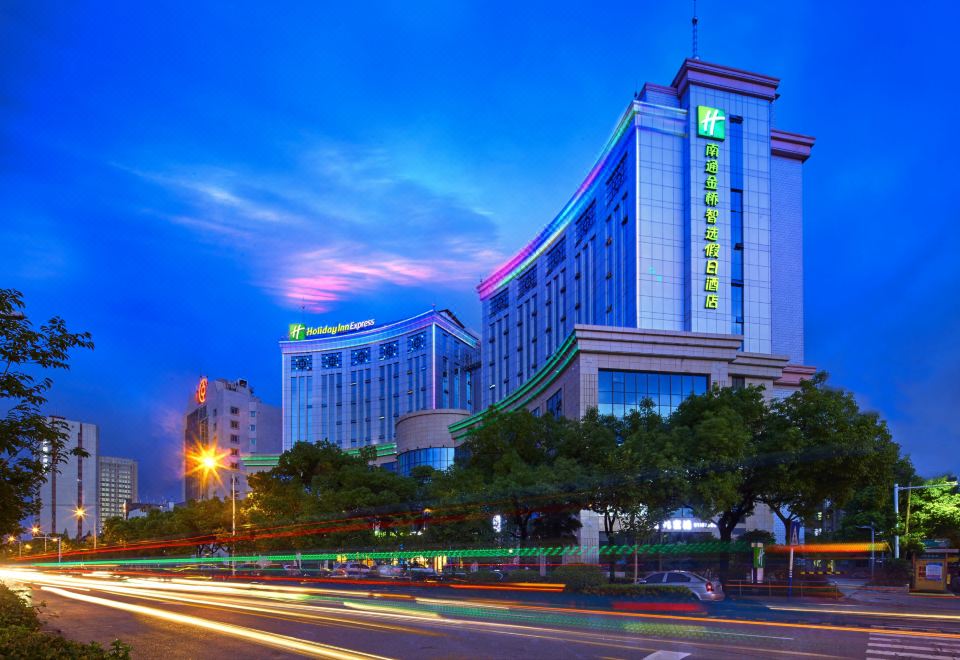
x: 880, y: 647
x: 263, y: 637
x: 921, y: 656
x: 666, y: 655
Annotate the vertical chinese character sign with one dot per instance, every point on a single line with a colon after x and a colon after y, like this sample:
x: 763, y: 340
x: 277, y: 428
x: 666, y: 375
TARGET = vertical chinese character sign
x: 711, y: 124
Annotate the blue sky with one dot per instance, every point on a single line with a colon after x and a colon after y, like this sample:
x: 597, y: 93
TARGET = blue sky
x: 179, y: 179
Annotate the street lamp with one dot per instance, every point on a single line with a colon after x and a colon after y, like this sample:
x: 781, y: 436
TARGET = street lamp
x: 14, y: 539
x: 896, y: 508
x: 872, y: 545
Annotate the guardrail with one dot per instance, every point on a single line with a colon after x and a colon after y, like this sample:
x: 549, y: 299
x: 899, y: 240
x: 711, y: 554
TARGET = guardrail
x: 799, y: 589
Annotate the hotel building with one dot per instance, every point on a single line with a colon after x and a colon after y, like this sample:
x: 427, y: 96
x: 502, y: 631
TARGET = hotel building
x: 676, y: 265
x: 227, y: 419
x: 349, y: 384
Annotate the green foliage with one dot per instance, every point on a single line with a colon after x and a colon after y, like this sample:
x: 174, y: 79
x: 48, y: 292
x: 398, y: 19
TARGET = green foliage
x: 757, y: 536
x: 21, y: 636
x: 659, y: 592
x: 935, y: 512
x: 24, y: 430
x: 577, y: 577
x: 516, y: 467
x: 723, y: 435
x: 826, y: 449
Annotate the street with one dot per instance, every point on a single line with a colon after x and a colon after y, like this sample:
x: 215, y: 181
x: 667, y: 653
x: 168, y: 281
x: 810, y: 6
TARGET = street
x: 184, y: 618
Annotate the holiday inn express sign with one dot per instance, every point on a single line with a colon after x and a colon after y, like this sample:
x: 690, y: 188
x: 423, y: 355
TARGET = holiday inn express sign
x: 300, y: 331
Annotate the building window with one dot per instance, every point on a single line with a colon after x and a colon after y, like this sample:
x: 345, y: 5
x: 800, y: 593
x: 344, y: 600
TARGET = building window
x: 439, y: 458
x: 234, y: 451
x: 738, y: 382
x: 359, y: 356
x: 417, y: 342
x: 557, y: 254
x: 500, y: 302
x: 330, y: 361
x: 615, y: 180
x: 301, y: 363
x: 234, y: 438
x: 555, y: 404
x: 528, y: 282
x: 253, y: 413
x: 389, y: 350
x: 234, y: 410
x: 234, y: 424
x: 586, y: 221
x: 621, y: 392
x: 253, y: 428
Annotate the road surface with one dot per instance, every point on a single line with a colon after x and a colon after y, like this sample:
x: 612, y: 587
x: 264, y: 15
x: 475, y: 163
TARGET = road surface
x: 184, y: 618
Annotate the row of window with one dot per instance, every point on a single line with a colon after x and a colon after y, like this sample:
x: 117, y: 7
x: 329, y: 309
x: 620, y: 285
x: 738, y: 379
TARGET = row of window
x: 359, y: 356
x: 620, y: 392
x: 439, y: 458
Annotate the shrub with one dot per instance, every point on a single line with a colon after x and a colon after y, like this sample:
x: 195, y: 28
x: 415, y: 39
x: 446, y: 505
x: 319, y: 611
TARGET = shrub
x: 893, y: 573
x: 528, y: 576
x: 484, y: 577
x: 578, y: 577
x: 21, y: 636
x: 645, y: 591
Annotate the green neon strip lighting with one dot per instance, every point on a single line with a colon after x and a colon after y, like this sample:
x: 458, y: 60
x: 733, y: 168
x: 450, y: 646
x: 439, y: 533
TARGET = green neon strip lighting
x: 709, y: 547
x: 539, y: 380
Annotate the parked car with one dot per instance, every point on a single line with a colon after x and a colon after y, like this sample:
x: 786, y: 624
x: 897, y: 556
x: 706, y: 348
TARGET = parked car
x: 389, y: 571
x: 700, y: 586
x: 351, y: 569
x: 423, y: 574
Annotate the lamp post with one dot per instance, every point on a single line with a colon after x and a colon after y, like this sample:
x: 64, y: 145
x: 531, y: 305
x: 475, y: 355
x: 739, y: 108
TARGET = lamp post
x: 872, y: 546
x: 896, y: 508
x: 14, y: 539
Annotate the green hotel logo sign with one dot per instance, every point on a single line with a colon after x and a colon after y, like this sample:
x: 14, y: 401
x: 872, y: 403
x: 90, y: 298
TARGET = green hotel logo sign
x: 711, y: 122
x: 298, y: 331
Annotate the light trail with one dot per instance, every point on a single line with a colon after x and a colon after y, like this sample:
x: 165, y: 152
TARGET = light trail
x: 261, y: 637
x: 901, y: 615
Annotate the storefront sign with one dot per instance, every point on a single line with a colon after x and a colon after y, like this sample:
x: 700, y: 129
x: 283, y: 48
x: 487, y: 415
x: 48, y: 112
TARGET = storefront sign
x: 202, y: 390
x: 711, y: 123
x: 300, y: 331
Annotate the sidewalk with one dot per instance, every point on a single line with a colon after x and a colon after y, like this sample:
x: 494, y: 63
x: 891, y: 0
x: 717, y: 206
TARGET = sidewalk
x: 856, y: 591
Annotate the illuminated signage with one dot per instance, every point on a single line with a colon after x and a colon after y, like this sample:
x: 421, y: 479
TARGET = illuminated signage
x: 202, y: 390
x: 711, y: 124
x: 300, y: 331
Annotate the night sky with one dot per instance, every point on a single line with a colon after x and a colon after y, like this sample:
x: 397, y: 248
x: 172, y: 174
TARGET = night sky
x: 182, y: 179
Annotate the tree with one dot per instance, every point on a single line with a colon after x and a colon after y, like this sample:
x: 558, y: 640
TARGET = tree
x: 513, y: 467
x: 825, y: 450
x: 935, y: 512
x: 721, y: 435
x: 24, y: 430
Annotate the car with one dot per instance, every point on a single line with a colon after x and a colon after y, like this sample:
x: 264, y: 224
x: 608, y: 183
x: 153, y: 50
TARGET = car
x: 423, y: 574
x: 701, y: 587
x: 389, y: 571
x: 351, y: 569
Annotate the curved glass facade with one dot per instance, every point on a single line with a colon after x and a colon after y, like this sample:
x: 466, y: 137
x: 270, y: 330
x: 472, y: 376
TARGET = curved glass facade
x: 439, y: 458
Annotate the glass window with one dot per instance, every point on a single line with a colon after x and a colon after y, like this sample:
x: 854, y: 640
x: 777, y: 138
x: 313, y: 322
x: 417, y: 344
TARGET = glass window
x: 654, y: 579
x: 677, y: 577
x: 234, y: 410
x: 623, y: 391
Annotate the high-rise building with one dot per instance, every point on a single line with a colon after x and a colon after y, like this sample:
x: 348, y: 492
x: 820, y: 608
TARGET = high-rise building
x: 349, y: 383
x: 68, y: 498
x: 117, y: 488
x: 226, y: 421
x: 676, y: 265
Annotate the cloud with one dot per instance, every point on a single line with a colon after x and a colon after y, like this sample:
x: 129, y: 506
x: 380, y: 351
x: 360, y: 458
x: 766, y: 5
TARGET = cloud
x: 336, y: 222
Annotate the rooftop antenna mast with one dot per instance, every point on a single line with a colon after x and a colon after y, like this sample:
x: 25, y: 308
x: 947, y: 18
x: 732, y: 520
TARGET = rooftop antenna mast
x: 696, y: 53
